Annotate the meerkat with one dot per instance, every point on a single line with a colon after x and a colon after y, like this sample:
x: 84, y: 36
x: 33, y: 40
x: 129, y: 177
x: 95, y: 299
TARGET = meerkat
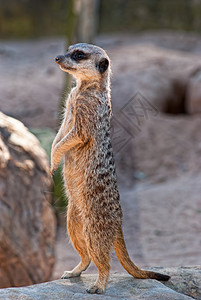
x: 94, y: 215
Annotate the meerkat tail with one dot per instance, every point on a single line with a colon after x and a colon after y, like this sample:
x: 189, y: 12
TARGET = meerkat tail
x: 129, y: 266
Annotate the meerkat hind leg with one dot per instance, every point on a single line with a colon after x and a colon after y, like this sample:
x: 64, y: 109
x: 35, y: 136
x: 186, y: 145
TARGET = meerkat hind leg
x: 103, y: 266
x: 100, y: 284
x: 82, y: 266
x: 84, y: 263
x: 77, y: 239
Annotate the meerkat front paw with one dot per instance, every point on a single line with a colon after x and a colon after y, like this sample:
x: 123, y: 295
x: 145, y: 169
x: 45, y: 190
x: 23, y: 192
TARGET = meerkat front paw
x: 53, y: 167
x: 69, y: 274
x: 52, y: 170
x: 95, y: 290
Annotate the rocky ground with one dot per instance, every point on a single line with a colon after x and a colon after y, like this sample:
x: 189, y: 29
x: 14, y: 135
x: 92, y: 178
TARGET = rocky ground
x: 183, y: 285
x: 157, y: 151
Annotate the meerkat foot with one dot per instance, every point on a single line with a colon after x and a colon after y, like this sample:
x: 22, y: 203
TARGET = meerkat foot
x: 70, y: 274
x: 95, y: 290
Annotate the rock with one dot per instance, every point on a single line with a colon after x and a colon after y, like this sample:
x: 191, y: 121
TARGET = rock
x: 27, y: 222
x: 185, y: 280
x: 182, y: 286
x: 193, y: 93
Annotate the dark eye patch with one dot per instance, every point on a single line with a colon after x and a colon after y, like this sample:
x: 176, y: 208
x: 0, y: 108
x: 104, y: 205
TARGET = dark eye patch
x: 79, y: 55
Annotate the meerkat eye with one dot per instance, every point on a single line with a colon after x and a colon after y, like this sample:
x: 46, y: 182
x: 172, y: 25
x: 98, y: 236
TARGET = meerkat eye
x: 78, y: 55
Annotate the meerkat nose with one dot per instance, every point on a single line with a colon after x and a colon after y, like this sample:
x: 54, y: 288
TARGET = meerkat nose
x: 59, y: 58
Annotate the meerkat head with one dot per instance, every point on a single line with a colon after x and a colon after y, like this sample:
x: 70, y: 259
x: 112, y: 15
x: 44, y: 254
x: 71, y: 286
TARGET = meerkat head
x: 84, y: 61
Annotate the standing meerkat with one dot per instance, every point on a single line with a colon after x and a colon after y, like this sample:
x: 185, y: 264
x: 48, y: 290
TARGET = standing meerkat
x: 94, y: 216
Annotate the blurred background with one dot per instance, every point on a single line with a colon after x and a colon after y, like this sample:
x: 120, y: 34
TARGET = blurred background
x: 155, y: 49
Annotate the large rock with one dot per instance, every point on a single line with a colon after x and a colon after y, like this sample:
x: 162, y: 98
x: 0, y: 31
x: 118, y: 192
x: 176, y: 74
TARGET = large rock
x: 27, y: 222
x: 184, y: 284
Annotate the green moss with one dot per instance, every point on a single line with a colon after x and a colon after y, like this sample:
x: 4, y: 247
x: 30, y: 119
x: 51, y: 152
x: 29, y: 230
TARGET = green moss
x: 60, y: 197
x: 45, y: 137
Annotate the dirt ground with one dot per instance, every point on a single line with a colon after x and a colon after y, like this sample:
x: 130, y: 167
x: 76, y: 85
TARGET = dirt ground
x: 161, y: 214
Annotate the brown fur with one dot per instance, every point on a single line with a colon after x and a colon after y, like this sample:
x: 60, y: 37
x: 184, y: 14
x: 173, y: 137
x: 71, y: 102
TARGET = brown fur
x: 94, y: 217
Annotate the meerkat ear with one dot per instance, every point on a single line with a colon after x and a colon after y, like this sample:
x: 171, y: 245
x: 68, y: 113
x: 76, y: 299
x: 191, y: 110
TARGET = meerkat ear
x: 102, y: 65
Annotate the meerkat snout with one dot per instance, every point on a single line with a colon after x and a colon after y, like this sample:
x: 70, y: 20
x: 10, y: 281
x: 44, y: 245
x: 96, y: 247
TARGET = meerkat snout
x: 58, y: 59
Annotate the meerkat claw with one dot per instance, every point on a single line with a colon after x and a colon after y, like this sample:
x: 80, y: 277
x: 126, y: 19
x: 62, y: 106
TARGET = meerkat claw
x: 95, y: 290
x: 68, y: 274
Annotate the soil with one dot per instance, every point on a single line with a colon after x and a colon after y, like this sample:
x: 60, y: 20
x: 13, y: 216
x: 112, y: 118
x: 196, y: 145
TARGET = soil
x: 161, y: 204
